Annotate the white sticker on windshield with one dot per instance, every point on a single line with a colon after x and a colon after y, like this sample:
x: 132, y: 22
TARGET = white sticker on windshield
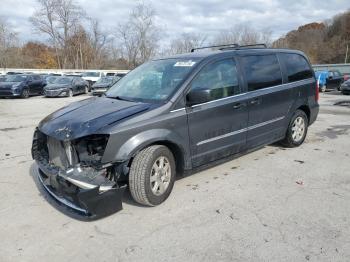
x: 185, y: 63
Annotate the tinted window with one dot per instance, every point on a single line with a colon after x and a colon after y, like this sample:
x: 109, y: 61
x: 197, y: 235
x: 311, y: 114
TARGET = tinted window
x: 220, y: 77
x: 336, y: 73
x: 262, y: 71
x: 36, y: 77
x: 297, y: 67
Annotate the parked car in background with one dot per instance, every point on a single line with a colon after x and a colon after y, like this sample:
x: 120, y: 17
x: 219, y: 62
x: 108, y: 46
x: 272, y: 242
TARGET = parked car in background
x: 49, y: 79
x: 13, y: 73
x: 169, y: 116
x: 321, y: 77
x: 66, y: 86
x: 92, y: 77
x: 329, y: 80
x: 102, y: 85
x: 21, y: 85
x: 120, y: 74
x: 345, y: 87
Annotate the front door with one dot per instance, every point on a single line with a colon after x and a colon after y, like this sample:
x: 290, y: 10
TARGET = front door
x: 217, y: 128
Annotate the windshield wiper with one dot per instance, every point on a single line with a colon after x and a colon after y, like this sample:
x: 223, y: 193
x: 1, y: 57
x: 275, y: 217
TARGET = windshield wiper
x: 121, y: 98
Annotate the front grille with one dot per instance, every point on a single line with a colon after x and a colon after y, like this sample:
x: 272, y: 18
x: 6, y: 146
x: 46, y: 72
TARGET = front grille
x: 61, y: 153
x: 55, y: 153
x: 52, y: 92
x: 6, y: 92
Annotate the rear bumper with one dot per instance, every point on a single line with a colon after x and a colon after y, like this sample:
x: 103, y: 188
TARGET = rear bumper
x: 98, y: 92
x: 314, y: 113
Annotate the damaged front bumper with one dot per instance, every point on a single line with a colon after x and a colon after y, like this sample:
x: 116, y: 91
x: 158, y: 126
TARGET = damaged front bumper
x: 84, y: 190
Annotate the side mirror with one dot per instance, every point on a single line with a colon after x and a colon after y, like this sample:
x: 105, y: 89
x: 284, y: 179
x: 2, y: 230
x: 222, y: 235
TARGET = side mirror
x: 198, y: 96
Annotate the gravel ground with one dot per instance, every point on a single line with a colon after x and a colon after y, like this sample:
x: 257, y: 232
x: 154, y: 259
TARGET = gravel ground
x: 274, y: 204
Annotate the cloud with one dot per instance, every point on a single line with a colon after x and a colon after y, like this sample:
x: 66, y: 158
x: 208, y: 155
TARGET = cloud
x: 182, y: 16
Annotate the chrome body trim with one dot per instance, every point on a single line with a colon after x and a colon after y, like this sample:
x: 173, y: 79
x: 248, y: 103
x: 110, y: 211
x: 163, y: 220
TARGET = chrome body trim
x: 240, y: 131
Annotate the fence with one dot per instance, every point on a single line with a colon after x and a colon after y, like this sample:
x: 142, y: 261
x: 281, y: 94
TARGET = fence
x: 57, y: 71
x: 342, y: 68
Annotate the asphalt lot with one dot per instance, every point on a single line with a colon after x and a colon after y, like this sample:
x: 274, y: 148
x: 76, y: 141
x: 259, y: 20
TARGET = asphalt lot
x: 274, y: 204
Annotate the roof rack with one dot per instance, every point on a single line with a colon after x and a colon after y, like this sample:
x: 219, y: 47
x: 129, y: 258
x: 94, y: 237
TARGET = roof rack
x: 245, y: 47
x: 214, y: 46
x: 231, y: 47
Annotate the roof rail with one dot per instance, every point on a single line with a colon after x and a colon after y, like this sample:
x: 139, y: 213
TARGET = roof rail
x: 214, y: 46
x: 245, y: 46
x: 231, y: 46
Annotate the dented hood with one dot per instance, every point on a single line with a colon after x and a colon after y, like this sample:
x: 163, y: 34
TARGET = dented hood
x: 88, y: 116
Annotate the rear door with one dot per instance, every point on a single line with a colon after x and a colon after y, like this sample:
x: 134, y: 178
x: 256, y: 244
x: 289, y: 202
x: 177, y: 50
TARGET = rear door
x: 217, y: 128
x: 269, y: 100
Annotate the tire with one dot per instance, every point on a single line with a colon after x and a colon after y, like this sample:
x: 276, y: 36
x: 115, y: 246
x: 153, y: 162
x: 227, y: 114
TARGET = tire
x: 323, y: 88
x: 25, y: 93
x: 70, y: 93
x: 143, y: 190
x: 86, y: 90
x: 297, y: 130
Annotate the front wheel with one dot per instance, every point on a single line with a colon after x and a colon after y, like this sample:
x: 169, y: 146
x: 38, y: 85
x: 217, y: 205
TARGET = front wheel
x: 86, y: 90
x: 152, y: 175
x: 297, y: 130
x: 25, y: 93
x: 70, y: 93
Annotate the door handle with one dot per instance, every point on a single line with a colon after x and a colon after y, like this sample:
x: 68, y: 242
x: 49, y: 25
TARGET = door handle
x: 237, y: 106
x: 254, y: 101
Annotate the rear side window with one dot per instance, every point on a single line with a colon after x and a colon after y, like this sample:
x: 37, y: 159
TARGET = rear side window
x: 220, y: 77
x: 262, y: 71
x: 297, y: 67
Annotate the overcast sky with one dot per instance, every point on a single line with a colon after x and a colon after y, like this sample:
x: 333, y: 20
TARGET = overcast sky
x: 204, y: 16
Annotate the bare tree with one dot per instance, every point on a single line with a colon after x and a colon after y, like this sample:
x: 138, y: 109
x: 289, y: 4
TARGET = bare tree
x: 58, y: 20
x: 243, y: 34
x: 185, y: 42
x: 8, y: 40
x: 139, y: 35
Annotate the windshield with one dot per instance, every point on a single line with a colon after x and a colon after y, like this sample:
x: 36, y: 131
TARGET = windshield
x: 63, y: 80
x: 91, y: 74
x: 51, y: 79
x: 15, y: 78
x: 152, y: 81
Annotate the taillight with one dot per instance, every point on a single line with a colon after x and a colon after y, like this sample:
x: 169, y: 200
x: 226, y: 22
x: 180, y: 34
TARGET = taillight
x: 317, y: 94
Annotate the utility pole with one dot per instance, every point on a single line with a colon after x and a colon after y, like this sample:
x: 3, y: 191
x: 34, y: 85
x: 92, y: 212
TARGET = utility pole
x: 346, y: 55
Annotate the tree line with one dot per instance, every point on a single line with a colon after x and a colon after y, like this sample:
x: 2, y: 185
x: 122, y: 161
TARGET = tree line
x: 77, y: 41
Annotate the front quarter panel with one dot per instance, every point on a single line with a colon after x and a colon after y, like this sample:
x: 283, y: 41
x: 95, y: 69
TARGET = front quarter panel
x: 169, y: 127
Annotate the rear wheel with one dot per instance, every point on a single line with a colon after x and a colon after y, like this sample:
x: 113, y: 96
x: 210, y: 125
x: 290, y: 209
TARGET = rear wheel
x: 152, y: 175
x: 25, y: 93
x: 297, y: 130
x: 70, y: 93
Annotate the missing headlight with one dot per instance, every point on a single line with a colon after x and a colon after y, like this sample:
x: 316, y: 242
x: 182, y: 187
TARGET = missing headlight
x: 91, y: 148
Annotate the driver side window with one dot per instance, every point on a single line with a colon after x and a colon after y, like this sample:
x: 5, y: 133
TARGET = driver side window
x: 220, y: 78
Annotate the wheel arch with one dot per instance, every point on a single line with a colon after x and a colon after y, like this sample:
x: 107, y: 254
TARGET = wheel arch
x: 306, y: 110
x: 171, y: 140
